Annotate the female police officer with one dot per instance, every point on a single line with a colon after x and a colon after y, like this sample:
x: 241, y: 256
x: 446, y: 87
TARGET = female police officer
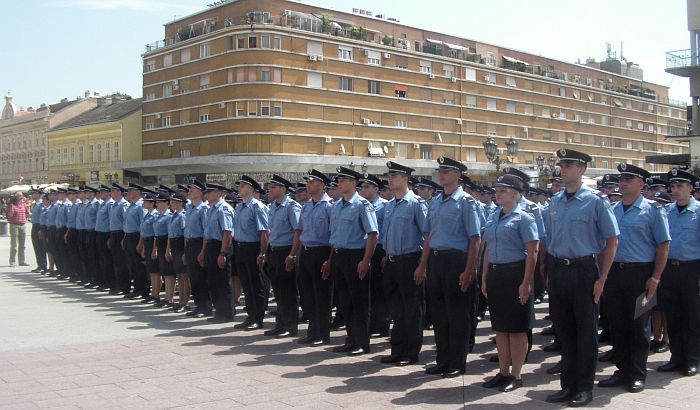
x: 509, y: 262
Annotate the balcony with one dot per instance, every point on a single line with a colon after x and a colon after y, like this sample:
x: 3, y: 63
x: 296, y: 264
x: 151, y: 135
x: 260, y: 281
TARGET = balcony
x: 684, y: 63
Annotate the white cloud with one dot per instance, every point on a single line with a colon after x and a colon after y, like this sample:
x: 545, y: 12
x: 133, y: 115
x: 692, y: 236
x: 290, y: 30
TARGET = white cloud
x: 133, y: 5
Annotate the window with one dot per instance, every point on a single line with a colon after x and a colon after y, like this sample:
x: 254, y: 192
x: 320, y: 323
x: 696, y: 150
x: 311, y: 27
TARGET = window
x: 265, y: 75
x: 628, y: 123
x: 528, y: 109
x: 278, y: 111
x: 150, y: 96
x: 203, y: 117
x: 265, y: 109
x: 471, y: 101
x: 240, y: 43
x: 591, y: 119
x: 490, y: 104
x: 374, y: 57
x: 80, y: 154
x: 72, y: 155
x: 604, y: 163
x: 471, y: 155
x: 401, y: 124
x: 150, y: 65
x: 108, y: 153
x: 116, y: 151
x: 167, y: 60
x: 577, y: 117
x: 99, y: 152
x: 401, y: 62
x: 545, y: 112
x: 490, y: 78
x: 277, y: 43
x: 400, y: 91
x: 490, y: 58
x: 562, y: 114
x: 510, y: 81
x: 562, y: 92
x: 166, y: 121
x: 604, y: 120
x: 426, y: 67
x: 373, y: 87
x: 204, y: 50
x: 252, y: 74
x: 252, y: 42
x: 345, y: 84
x: 240, y: 109
x: 470, y: 74
x: 640, y: 126
x: 185, y: 55
x: 265, y: 41
x: 449, y: 98
x: 510, y: 106
x: 149, y: 126
x: 167, y: 90
x: 314, y: 80
x: 252, y: 108
x: 448, y: 71
x: 345, y: 53
x: 426, y: 152
x: 203, y: 81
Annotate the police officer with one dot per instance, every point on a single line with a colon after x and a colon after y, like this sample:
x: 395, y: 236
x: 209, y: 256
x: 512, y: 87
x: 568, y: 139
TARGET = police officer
x: 216, y: 251
x: 175, y: 250
x: 145, y: 246
x: 353, y: 241
x: 510, y: 259
x: 402, y: 231
x: 73, y: 238
x: 81, y: 234
x: 489, y: 204
x: 251, y: 234
x: 87, y: 219
x: 102, y: 235
x: 637, y: 267
x: 37, y: 242
x: 696, y: 191
x: 132, y: 235
x: 311, y: 243
x: 48, y: 218
x: 450, y: 256
x: 195, y: 222
x: 610, y: 182
x: 580, y: 226
x: 283, y: 217
x: 161, y: 222
x: 370, y: 185
x: 122, y: 282
x: 680, y: 289
x: 60, y: 246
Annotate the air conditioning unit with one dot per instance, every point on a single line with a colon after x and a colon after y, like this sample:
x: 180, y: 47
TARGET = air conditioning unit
x: 171, y: 143
x: 328, y: 139
x: 387, y: 55
x: 158, y: 116
x: 287, y: 13
x: 366, y: 121
x: 453, y: 79
x: 459, y: 121
x: 416, y: 146
x: 555, y: 115
x: 431, y: 76
x: 319, y: 58
x: 222, y: 105
x: 390, y: 143
x: 365, y: 52
x: 569, y: 140
x: 176, y: 84
x: 312, y: 58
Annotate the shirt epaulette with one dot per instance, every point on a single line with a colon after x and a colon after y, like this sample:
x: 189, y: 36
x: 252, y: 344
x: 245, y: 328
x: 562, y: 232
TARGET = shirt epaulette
x: 655, y: 204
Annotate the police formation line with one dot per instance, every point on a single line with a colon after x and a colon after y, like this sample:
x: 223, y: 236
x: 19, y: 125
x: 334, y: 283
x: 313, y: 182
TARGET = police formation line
x: 413, y: 261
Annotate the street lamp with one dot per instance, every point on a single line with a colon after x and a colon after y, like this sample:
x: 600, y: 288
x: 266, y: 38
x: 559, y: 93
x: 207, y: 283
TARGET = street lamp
x: 491, y: 150
x: 545, y: 170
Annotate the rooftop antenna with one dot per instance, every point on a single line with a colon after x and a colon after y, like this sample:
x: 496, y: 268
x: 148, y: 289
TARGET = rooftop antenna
x: 622, y: 56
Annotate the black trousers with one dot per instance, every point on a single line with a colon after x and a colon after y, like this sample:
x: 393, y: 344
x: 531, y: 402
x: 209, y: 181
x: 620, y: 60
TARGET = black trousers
x: 575, y: 315
x: 285, y: 286
x: 198, y: 275
x: 406, y: 302
x: 245, y: 257
x: 91, y: 257
x: 450, y: 308
x: 135, y: 265
x: 73, y: 258
x: 353, y: 295
x: 122, y: 281
x: 379, y: 319
x: 679, y: 294
x: 61, y: 255
x: 218, y: 281
x: 39, y: 247
x: 317, y: 293
x: 104, y: 261
x: 629, y: 336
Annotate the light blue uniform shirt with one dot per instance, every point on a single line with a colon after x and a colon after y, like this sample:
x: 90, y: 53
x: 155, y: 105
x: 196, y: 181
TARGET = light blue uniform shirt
x: 176, y: 227
x: 219, y: 219
x: 161, y: 221
x: 284, y: 220
x: 62, y: 213
x: 452, y: 221
x: 51, y: 216
x: 116, y: 215
x: 102, y: 222
x: 488, y: 209
x: 536, y: 212
x: 351, y: 222
x: 403, y: 224
x: 146, y: 228
x: 249, y: 220
x: 685, y: 228
x: 314, y: 222
x: 579, y: 226
x: 378, y: 205
x: 45, y: 210
x: 90, y: 214
x: 195, y: 220
x: 37, y: 209
x: 80, y: 215
x: 133, y: 217
x: 507, y: 236
x: 72, y: 214
x: 642, y: 228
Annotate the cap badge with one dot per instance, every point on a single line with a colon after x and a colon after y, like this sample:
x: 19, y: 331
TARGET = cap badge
x: 674, y: 171
x: 562, y: 152
x: 388, y: 164
x: 623, y: 167
x: 441, y: 160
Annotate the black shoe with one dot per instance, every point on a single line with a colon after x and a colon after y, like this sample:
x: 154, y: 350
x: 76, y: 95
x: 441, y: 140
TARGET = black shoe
x: 556, y: 369
x: 319, y: 342
x: 560, y: 396
x: 394, y: 358
x: 493, y: 359
x: 612, y: 381
x: 547, y: 317
x: 662, y: 347
x: 273, y: 332
x: 547, y: 331
x: 244, y: 324
x: 113, y: 292
x: 285, y: 334
x: 344, y: 348
x: 337, y: 328
x: 37, y: 270
x: 132, y: 295
x: 305, y: 340
x: 513, y: 384
x: 219, y: 319
x: 149, y: 300
x: 537, y: 302
x: 253, y: 326
x: 607, y: 356
x: 581, y: 399
x: 604, y: 337
x: 451, y: 373
x: 435, y: 370
x: 407, y: 361
x: 555, y: 346
x: 192, y: 313
x: 636, y: 386
x: 496, y: 381
x: 179, y: 309
x: 203, y: 313
x: 102, y: 288
x: 668, y: 367
x: 691, y: 371
x: 160, y: 303
x: 358, y: 351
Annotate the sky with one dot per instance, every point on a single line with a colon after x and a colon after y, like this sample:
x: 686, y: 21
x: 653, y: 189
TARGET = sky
x: 53, y: 49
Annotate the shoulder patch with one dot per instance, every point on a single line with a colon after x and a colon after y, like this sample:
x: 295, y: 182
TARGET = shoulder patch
x: 533, y: 207
x: 655, y: 204
x: 363, y: 201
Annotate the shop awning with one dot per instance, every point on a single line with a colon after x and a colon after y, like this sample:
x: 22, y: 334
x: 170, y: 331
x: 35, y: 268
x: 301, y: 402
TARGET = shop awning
x: 401, y: 88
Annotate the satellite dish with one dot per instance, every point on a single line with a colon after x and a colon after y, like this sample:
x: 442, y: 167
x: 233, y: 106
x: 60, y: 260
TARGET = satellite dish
x: 342, y: 148
x: 386, y: 149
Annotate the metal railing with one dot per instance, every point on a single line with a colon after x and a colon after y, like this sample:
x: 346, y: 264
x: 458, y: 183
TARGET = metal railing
x: 682, y: 58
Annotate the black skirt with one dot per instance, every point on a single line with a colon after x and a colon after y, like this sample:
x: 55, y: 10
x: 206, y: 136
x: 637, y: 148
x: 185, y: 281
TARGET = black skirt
x: 177, y: 249
x: 166, y: 268
x: 151, y: 264
x: 507, y: 313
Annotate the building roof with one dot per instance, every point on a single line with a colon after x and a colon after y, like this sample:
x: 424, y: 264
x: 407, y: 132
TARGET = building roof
x: 103, y: 114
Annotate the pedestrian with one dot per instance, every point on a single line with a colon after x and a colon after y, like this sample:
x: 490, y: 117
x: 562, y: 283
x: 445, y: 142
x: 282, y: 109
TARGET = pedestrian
x: 161, y: 222
x: 17, y: 218
x: 122, y: 283
x: 175, y: 251
x: 195, y: 222
x: 402, y: 230
x: 581, y: 241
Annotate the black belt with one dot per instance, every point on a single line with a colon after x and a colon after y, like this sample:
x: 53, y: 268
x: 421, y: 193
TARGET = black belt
x: 631, y: 265
x: 344, y: 250
x: 506, y: 266
x: 279, y: 248
x: 573, y: 261
x: 437, y: 252
x: 398, y: 258
x: 315, y: 248
x: 676, y: 262
x: 132, y: 234
x: 246, y: 244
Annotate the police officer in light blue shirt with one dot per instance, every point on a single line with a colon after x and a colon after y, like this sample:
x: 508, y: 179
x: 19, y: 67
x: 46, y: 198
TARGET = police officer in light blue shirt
x: 353, y: 238
x: 116, y: 238
x: 581, y: 241
x: 73, y: 237
x: 102, y: 234
x: 87, y: 219
x: 59, y: 221
x: 402, y: 230
x: 195, y: 222
x: 638, y: 264
x: 132, y: 236
x: 680, y: 285
x: 37, y: 227
x: 450, y: 255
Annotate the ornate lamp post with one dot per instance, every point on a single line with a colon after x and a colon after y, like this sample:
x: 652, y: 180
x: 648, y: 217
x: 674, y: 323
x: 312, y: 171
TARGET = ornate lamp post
x: 491, y: 150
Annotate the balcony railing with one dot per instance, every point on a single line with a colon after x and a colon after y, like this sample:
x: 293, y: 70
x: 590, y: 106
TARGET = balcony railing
x: 682, y: 59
